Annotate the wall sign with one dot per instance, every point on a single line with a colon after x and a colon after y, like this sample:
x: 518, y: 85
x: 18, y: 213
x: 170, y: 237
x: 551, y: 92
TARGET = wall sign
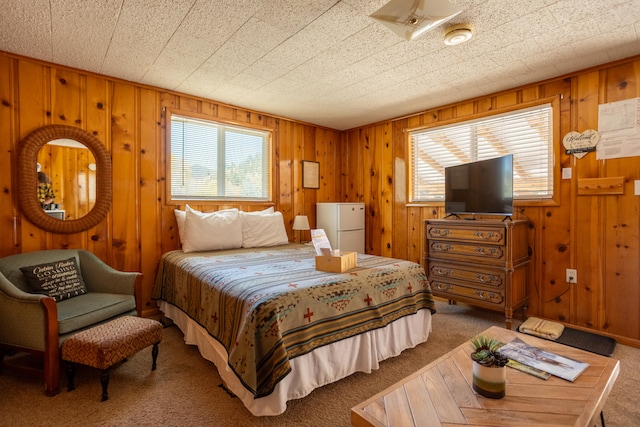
x: 310, y: 174
x: 579, y: 144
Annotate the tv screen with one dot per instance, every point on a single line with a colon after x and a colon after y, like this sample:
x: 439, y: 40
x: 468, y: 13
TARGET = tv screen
x: 482, y: 187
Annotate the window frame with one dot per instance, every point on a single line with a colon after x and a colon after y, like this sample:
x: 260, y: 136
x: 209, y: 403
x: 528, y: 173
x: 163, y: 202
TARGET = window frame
x: 168, y: 113
x: 553, y: 200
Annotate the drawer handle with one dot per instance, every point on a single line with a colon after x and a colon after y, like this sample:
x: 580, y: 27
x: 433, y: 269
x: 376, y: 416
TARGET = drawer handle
x: 442, y: 247
x: 443, y: 272
x: 443, y: 286
x: 486, y: 295
x: 486, y: 234
x: 440, y: 232
x: 487, y: 251
x: 487, y: 278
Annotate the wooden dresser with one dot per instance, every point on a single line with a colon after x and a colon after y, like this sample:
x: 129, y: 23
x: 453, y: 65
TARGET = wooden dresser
x: 479, y: 262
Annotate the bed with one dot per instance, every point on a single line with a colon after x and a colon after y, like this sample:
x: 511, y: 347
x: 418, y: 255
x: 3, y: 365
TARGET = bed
x: 274, y: 326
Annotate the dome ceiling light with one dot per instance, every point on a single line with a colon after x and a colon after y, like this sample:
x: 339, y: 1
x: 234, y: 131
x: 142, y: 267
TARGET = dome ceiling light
x: 457, y: 34
x: 412, y: 18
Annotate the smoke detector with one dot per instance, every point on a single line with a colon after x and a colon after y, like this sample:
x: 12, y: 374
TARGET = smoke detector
x: 457, y: 34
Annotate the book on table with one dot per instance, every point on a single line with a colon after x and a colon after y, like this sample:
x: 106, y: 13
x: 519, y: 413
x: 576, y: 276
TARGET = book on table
x: 552, y: 363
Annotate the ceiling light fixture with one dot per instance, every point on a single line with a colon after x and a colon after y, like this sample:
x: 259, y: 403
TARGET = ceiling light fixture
x: 412, y: 18
x: 457, y: 34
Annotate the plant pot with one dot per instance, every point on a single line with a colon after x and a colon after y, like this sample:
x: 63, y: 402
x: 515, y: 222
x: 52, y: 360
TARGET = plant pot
x: 489, y: 381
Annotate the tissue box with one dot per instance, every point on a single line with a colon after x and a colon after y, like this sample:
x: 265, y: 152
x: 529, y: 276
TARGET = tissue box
x: 336, y: 263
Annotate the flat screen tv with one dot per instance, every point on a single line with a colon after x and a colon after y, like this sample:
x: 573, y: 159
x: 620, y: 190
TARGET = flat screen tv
x: 482, y: 187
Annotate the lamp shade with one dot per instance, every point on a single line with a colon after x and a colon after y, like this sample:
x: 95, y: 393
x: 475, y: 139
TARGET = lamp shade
x: 301, y: 222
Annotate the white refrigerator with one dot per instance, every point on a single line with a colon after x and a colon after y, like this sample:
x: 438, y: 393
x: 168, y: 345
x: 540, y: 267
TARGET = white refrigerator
x: 343, y: 224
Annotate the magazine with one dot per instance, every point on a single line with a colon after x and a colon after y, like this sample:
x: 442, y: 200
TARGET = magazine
x: 554, y: 364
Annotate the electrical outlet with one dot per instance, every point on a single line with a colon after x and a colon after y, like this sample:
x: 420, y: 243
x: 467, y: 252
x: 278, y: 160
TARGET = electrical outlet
x: 572, y: 275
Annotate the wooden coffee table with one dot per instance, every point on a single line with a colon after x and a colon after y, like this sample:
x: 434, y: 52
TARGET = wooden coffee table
x: 440, y: 393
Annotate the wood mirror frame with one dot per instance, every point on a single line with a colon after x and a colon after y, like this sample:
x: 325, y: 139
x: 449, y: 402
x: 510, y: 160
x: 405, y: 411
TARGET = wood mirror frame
x: 28, y: 179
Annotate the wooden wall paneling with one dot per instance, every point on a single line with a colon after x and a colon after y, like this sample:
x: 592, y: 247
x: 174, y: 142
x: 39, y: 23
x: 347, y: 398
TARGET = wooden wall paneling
x: 353, y: 167
x: 34, y: 111
x: 507, y: 99
x: 385, y: 132
x: 126, y: 176
x: 299, y: 193
x: 98, y: 123
x: 187, y: 103
x: 530, y: 94
x: 9, y: 149
x: 329, y: 145
x: 621, y: 266
x: 284, y: 159
x: 310, y: 196
x: 415, y: 233
x: 534, y: 214
x: 170, y: 239
x: 464, y: 110
x: 371, y: 188
x: 150, y: 192
x: 586, y: 211
x: 621, y: 222
x: 399, y: 173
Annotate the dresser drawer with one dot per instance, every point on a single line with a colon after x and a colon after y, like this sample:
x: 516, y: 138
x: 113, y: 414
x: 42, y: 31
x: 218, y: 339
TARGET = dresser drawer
x: 476, y: 275
x: 487, y: 235
x: 469, y: 252
x: 456, y: 291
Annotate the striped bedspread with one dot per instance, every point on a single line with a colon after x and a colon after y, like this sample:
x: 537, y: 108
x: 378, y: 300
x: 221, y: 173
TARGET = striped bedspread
x: 269, y: 305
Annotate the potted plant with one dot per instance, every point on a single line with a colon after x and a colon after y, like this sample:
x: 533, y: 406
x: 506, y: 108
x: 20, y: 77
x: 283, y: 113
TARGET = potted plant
x: 489, y: 372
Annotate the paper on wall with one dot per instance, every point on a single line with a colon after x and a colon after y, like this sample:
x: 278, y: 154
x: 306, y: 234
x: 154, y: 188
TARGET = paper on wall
x: 619, y: 127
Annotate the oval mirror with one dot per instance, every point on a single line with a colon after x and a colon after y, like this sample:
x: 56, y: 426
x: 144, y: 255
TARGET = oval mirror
x: 66, y: 179
x: 28, y: 181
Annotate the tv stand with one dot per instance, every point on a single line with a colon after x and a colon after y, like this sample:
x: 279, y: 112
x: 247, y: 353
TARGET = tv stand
x: 483, y: 262
x: 453, y: 214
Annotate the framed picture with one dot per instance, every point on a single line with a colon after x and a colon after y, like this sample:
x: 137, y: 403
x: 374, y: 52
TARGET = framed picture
x: 310, y: 174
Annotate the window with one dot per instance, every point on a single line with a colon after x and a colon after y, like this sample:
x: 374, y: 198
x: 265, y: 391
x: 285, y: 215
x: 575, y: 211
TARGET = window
x: 217, y: 161
x: 525, y: 133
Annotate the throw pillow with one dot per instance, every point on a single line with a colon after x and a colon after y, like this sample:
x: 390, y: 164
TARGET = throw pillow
x: 263, y: 229
x: 59, y: 279
x: 212, y: 230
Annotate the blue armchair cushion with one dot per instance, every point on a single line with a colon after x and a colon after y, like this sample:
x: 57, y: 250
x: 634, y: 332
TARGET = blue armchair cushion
x: 59, y: 279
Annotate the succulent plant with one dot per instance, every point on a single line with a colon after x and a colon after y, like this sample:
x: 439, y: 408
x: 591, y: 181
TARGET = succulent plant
x: 486, y: 351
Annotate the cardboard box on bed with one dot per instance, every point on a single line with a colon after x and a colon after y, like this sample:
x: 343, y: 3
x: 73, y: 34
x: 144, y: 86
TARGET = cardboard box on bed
x: 345, y: 261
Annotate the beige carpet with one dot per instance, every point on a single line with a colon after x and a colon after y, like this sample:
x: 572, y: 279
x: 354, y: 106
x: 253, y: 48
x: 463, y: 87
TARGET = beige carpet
x: 184, y: 390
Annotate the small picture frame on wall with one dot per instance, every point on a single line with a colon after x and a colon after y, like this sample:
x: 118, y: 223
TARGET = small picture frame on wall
x: 310, y: 174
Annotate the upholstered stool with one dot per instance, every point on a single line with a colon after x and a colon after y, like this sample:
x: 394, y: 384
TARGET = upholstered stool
x: 109, y: 343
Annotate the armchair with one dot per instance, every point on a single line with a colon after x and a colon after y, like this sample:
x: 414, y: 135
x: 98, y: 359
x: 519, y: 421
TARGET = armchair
x: 38, y: 324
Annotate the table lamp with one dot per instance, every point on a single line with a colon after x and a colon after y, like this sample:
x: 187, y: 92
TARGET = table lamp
x: 301, y: 223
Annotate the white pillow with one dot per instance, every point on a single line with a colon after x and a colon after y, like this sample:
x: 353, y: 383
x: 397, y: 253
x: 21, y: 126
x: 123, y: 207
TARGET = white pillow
x: 263, y: 229
x: 212, y: 230
x: 182, y: 215
x: 180, y: 218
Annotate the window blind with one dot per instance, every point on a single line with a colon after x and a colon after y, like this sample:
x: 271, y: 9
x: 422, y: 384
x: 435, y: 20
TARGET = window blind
x: 525, y: 133
x: 210, y: 160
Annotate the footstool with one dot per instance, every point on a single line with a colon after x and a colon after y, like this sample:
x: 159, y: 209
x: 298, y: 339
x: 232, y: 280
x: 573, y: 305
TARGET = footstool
x: 105, y: 345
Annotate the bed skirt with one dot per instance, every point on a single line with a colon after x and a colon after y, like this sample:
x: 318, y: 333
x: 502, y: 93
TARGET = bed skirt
x: 361, y: 353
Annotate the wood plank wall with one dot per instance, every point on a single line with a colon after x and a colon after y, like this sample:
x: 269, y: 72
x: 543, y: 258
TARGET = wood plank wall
x: 599, y: 235
x: 596, y: 234
x: 129, y: 120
